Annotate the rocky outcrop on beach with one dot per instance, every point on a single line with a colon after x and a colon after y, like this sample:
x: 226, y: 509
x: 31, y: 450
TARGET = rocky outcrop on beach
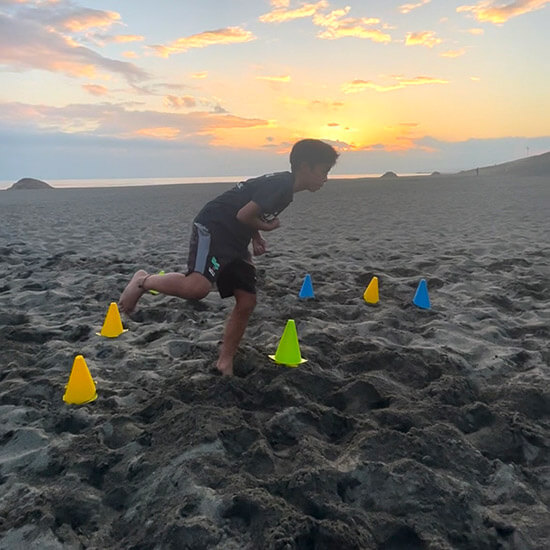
x: 30, y: 183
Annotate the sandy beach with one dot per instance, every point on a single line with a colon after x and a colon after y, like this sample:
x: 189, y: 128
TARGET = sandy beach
x: 406, y: 429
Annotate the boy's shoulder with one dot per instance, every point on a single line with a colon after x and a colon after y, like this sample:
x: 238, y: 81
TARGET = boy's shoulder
x: 272, y: 180
x: 272, y: 176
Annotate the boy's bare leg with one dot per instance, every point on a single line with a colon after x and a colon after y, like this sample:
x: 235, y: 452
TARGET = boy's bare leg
x: 191, y: 287
x: 234, y: 330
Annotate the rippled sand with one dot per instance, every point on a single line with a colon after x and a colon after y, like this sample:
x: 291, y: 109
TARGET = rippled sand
x: 406, y: 428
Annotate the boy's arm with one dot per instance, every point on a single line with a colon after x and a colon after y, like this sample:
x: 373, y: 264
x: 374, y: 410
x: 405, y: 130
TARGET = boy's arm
x: 250, y: 213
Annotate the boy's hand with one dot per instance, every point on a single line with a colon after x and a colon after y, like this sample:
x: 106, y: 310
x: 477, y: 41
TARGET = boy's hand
x: 259, y: 246
x: 271, y: 225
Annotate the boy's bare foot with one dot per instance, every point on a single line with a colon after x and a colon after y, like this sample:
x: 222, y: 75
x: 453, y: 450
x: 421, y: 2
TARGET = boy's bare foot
x: 225, y: 367
x: 132, y: 293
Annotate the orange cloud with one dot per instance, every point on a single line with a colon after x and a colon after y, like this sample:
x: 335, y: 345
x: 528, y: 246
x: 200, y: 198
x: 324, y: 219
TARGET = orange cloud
x: 71, y: 68
x: 124, y: 38
x: 159, y: 133
x: 336, y: 23
x: 95, y: 89
x: 356, y: 86
x: 339, y: 26
x: 228, y: 130
x: 453, y: 53
x: 178, y: 102
x: 216, y: 121
x: 120, y: 121
x: 476, y: 31
x: 487, y: 11
x: 421, y: 80
x: 229, y: 35
x: 407, y: 8
x: 201, y: 75
x: 284, y: 78
x: 130, y: 55
x: 280, y: 14
x: 87, y: 19
x: 423, y: 38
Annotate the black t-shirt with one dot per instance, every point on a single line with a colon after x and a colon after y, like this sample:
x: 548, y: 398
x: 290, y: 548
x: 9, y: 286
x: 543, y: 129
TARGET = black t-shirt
x: 272, y: 192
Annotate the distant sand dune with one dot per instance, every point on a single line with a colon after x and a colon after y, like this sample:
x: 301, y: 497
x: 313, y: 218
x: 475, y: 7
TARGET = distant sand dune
x: 538, y: 166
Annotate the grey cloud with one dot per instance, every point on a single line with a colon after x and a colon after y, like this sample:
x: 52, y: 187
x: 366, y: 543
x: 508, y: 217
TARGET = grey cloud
x: 26, y: 45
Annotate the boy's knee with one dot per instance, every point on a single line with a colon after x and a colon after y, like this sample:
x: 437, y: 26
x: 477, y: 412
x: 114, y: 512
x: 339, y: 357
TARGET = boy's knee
x: 197, y: 287
x: 198, y: 293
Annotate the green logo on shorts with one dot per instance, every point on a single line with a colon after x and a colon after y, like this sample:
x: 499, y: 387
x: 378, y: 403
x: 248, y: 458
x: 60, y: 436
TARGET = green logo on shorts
x: 215, y: 263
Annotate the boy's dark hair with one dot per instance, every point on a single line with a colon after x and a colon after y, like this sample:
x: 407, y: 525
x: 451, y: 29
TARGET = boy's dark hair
x: 312, y: 151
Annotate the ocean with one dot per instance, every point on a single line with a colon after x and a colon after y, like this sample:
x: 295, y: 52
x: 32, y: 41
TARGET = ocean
x: 138, y: 182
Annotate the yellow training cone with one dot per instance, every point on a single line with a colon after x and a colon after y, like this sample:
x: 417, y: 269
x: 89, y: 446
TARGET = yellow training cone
x: 371, y: 293
x: 81, y: 387
x: 112, y: 326
x: 288, y: 352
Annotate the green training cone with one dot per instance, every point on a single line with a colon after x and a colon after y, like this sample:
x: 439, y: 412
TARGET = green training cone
x: 288, y: 351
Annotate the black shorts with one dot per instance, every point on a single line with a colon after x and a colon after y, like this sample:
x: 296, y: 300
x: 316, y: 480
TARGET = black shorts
x: 229, y: 274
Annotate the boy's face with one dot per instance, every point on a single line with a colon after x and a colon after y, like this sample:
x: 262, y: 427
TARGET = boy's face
x: 315, y: 176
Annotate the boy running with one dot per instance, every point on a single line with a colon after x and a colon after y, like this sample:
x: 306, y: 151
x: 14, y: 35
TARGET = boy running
x: 222, y: 232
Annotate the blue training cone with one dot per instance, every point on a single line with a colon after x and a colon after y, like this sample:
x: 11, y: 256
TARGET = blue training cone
x: 307, y: 288
x: 421, y: 298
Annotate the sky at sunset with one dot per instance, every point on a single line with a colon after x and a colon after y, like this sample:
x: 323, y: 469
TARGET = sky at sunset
x: 134, y: 88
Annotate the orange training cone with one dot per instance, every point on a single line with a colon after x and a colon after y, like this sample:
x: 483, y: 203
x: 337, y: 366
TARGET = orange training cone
x: 371, y: 293
x: 112, y: 326
x: 288, y: 351
x: 80, y: 388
